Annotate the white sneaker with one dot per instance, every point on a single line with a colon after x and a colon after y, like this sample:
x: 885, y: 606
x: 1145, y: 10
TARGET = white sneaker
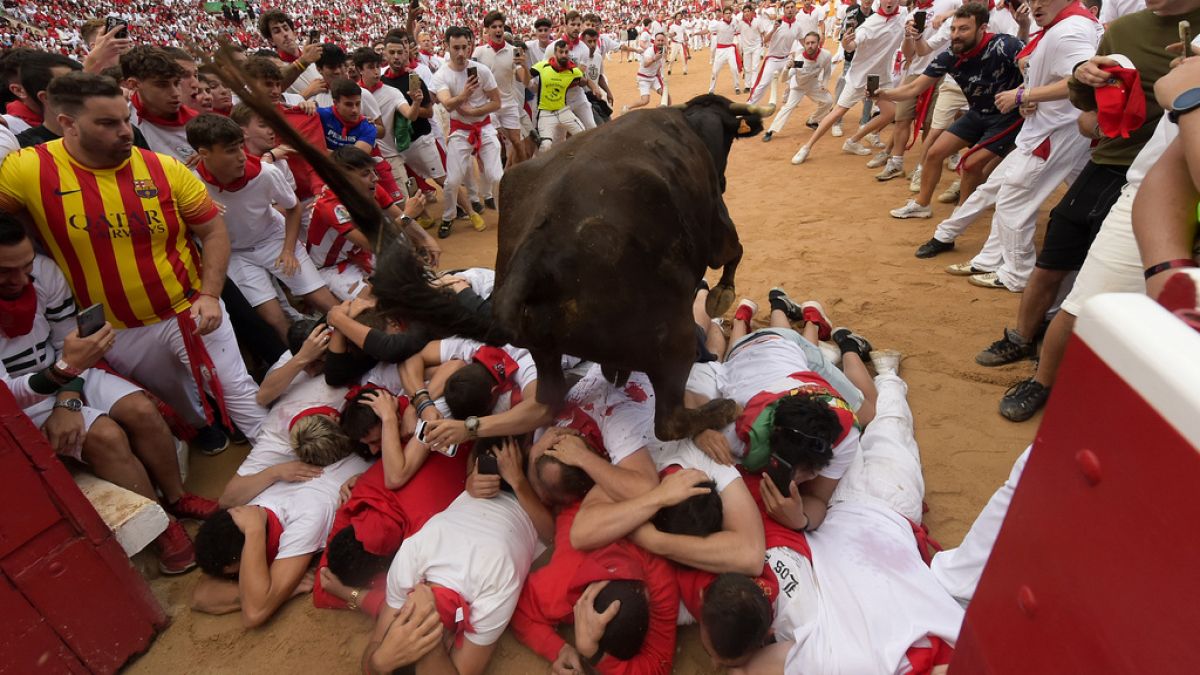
x: 837, y: 130
x: 914, y: 183
x: 886, y: 361
x: 874, y: 140
x: 952, y: 161
x: 854, y: 148
x: 893, y: 169
x: 832, y: 354
x: 878, y: 160
x: 912, y: 210
x: 952, y: 193
x: 801, y: 155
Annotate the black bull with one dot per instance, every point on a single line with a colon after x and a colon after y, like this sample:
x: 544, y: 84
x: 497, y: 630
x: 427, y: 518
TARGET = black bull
x: 602, y: 242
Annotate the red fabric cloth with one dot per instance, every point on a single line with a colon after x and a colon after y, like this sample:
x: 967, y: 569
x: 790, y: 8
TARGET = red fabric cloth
x: 1073, y: 9
x: 203, y: 370
x: 809, y: 383
x: 274, y: 532
x: 454, y: 612
x: 1121, y: 106
x: 315, y: 410
x: 253, y: 168
x: 550, y: 593
x: 1042, y: 151
x: 503, y: 369
x: 23, y: 112
x: 576, y: 418
x: 974, y: 51
x: 308, y: 183
x: 17, y: 315
x: 179, y: 119
x: 474, y: 131
x: 923, y: 660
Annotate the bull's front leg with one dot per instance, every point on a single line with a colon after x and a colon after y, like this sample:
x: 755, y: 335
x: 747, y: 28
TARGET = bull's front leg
x: 673, y: 421
x: 552, y: 384
x: 727, y: 254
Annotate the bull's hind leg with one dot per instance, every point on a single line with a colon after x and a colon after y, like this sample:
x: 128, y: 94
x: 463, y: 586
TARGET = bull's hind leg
x: 672, y: 420
x: 552, y: 384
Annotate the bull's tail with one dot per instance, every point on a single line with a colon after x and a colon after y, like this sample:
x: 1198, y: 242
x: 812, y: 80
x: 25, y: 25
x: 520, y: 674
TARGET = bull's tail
x: 401, y: 287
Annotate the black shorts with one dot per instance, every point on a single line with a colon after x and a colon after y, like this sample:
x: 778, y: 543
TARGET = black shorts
x: 1076, y: 219
x: 998, y: 131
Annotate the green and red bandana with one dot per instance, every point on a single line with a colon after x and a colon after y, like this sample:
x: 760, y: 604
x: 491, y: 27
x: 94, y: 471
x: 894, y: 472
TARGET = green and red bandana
x: 757, y: 420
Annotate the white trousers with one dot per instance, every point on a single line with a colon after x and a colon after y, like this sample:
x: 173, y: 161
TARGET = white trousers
x: 751, y: 61
x: 678, y: 54
x: 459, y: 156
x: 888, y: 467
x: 1017, y: 188
x: 813, y: 90
x: 555, y: 125
x: 768, y: 71
x: 155, y: 357
x: 958, y: 569
x: 582, y: 107
x: 725, y: 57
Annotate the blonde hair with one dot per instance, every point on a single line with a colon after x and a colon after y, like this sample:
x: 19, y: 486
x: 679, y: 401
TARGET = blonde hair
x: 318, y: 440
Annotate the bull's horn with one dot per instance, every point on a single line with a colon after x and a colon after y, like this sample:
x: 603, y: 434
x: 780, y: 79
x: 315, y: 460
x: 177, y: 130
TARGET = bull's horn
x: 678, y: 106
x: 747, y: 109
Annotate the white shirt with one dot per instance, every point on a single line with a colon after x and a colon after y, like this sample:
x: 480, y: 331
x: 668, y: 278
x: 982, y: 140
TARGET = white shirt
x: 781, y: 41
x: 652, y: 71
x: 1112, y: 10
x: 24, y: 355
x: 463, y: 349
x: 812, y: 73
x: 480, y: 548
x: 1164, y: 134
x: 877, y: 41
x: 798, y: 599
x: 1069, y: 42
x: 8, y: 142
x: 501, y: 65
x: 481, y: 279
x: 591, y: 63
x: 370, y: 107
x: 748, y: 34
x: 677, y: 33
x: 535, y: 51
x: 304, y: 79
x: 170, y: 141
x: 726, y: 33
x: 250, y: 213
x: 306, y: 510
x: 684, y: 453
x: 453, y: 82
x: 625, y: 416
x: 1001, y: 21
x: 810, y: 23
x: 919, y: 63
x: 389, y: 99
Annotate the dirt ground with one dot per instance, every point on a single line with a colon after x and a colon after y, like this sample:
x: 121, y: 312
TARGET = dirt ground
x: 820, y: 230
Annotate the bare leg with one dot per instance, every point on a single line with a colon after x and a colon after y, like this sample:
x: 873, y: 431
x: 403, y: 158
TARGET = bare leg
x: 931, y: 166
x: 699, y: 314
x: 151, y: 441
x: 1053, y: 347
x: 272, y: 313
x: 976, y: 170
x: 1038, y: 298
x: 811, y: 332
x: 643, y: 101
x: 887, y: 114
x: 106, y: 451
x: 714, y: 339
x: 779, y: 319
x: 856, y: 372
x: 833, y: 117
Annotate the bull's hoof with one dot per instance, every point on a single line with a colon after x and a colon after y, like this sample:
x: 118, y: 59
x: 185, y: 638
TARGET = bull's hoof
x: 720, y: 298
x: 715, y: 414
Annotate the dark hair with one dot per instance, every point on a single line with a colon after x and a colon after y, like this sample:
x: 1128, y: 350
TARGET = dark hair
x: 178, y: 53
x: 331, y: 56
x: 344, y: 88
x: 697, y: 516
x: 218, y: 544
x: 543, y: 22
x: 804, y: 431
x: 737, y: 615
x: 10, y: 66
x: 70, y: 92
x: 273, y: 16
x: 243, y: 114
x: 976, y: 10
x: 459, y: 32
x: 594, y: 18
x: 262, y: 69
x: 364, y: 55
x: 468, y: 391
x: 625, y: 633
x: 36, y: 71
x: 492, y: 17
x: 298, y: 332
x: 265, y: 53
x: 590, y: 32
x: 145, y: 62
x: 12, y: 232
x: 646, y: 22
x: 397, y: 36
x: 210, y: 129
x: 350, y: 157
x: 559, y: 44
x: 573, y: 483
x: 358, y: 419
x: 571, y: 16
x: 350, y: 562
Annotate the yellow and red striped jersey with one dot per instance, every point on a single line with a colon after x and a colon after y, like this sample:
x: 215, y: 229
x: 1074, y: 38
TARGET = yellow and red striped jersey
x: 120, y: 235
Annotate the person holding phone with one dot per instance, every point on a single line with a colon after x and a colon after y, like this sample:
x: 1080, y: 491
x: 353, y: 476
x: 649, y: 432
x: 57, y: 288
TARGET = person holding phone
x: 649, y: 74
x: 554, y: 77
x: 279, y: 30
x: 509, y: 68
x: 469, y: 92
x: 783, y: 34
x: 809, y: 75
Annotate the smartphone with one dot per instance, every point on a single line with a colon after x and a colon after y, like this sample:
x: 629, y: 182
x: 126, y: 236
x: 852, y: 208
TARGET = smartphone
x: 851, y: 24
x: 872, y: 84
x: 919, y: 21
x: 410, y: 187
x: 798, y: 64
x: 420, y: 434
x: 414, y: 82
x: 112, y: 22
x: 90, y: 320
x: 1185, y: 36
x: 487, y: 465
x: 472, y: 71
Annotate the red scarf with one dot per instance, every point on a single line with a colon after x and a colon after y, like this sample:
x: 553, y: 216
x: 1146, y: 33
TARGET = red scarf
x: 728, y: 22
x: 789, y: 22
x: 253, y: 168
x: 325, y: 410
x: 274, y: 532
x: 570, y: 43
x: 16, y: 315
x: 429, y: 54
x: 497, y: 46
x: 974, y: 51
x: 814, y: 55
x: 559, y: 68
x: 23, y: 112
x: 288, y: 58
x: 927, y: 5
x: 1121, y: 106
x: 574, y: 417
x: 181, y: 117
x: 1073, y: 9
x: 887, y: 16
x: 377, y: 87
x: 453, y: 610
x: 808, y: 10
x: 503, y: 370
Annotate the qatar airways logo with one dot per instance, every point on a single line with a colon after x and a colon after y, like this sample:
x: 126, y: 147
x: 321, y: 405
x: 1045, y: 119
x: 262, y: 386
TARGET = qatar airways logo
x: 118, y: 224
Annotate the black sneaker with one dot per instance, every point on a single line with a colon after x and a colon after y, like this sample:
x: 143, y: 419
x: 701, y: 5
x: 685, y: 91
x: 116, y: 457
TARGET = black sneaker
x: 767, y: 136
x: 852, y: 343
x: 933, y: 247
x: 1008, y: 349
x: 812, y: 125
x: 477, y: 207
x: 490, y: 202
x: 444, y: 229
x: 738, y: 91
x: 778, y: 299
x: 1023, y: 400
x: 459, y: 213
x: 210, y: 440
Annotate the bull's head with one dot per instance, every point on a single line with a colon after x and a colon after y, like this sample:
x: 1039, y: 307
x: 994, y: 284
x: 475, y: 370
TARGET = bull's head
x: 718, y: 121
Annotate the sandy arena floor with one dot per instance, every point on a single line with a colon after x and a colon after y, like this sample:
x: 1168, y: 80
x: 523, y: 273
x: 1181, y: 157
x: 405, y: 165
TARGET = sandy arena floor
x: 820, y: 230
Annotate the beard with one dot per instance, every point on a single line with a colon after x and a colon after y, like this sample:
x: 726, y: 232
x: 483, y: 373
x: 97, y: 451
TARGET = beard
x: 962, y: 47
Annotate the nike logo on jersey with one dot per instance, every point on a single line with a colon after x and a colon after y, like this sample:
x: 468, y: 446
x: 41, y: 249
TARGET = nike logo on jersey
x: 62, y: 193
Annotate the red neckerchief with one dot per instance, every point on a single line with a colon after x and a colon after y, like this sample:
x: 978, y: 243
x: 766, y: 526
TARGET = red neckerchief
x: 927, y: 5
x: 253, y: 168
x: 16, y: 315
x: 391, y: 73
x: 808, y: 10
x: 360, y: 389
x: 449, y: 604
x: 887, y: 16
x: 412, y: 65
x: 377, y: 87
x: 974, y: 51
x: 789, y: 22
x: 574, y: 417
x: 503, y: 370
x: 814, y: 55
x: 181, y: 117
x: 274, y: 532
x: 429, y: 54
x: 288, y: 58
x: 325, y: 410
x: 728, y: 22
x: 1121, y: 106
x: 24, y: 113
x: 554, y: 64
x: 346, y: 126
x: 570, y: 43
x: 1073, y: 9
x: 497, y: 46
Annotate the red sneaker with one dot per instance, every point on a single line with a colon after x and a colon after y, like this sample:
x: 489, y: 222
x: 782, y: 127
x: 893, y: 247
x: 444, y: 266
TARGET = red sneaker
x: 176, y: 554
x: 813, y: 312
x: 193, y: 506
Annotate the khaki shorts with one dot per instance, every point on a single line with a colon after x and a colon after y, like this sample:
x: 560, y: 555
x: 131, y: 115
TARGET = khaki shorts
x: 907, y: 109
x: 948, y: 104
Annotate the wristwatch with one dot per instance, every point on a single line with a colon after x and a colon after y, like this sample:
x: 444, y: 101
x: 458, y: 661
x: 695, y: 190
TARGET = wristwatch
x: 72, y: 404
x: 472, y: 424
x: 1184, y: 103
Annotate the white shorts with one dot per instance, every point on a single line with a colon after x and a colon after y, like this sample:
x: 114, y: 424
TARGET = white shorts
x: 1113, y: 264
x: 646, y: 85
x: 345, y: 284
x: 101, y: 391
x: 424, y: 159
x: 950, y: 102
x: 851, y: 97
x: 507, y: 117
x: 251, y: 269
x: 527, y: 125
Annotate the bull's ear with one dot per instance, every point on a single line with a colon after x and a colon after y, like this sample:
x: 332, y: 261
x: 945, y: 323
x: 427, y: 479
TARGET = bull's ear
x: 749, y: 125
x: 743, y: 128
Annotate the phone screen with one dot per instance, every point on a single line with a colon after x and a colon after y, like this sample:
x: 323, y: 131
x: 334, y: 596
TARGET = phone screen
x: 90, y: 320
x: 410, y: 187
x: 488, y: 466
x: 314, y: 36
x: 472, y: 71
x: 872, y: 83
x: 919, y: 21
x: 112, y: 22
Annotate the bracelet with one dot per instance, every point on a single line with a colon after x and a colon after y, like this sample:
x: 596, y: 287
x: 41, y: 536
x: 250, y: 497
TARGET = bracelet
x: 1020, y: 94
x: 423, y: 405
x: 67, y: 370
x: 206, y: 293
x: 1169, y: 265
x: 419, y: 393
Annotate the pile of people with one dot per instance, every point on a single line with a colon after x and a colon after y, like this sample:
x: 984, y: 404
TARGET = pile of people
x: 417, y: 479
